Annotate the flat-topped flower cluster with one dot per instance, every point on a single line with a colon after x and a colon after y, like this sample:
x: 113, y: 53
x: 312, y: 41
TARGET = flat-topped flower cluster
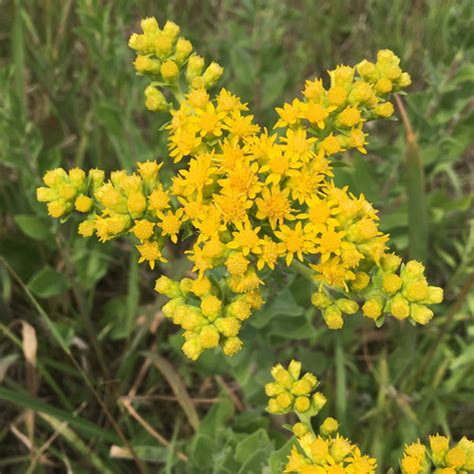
x: 254, y: 201
x: 330, y: 453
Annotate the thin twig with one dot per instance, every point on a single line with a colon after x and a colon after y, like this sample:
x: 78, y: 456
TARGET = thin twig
x: 161, y: 439
x: 238, y: 404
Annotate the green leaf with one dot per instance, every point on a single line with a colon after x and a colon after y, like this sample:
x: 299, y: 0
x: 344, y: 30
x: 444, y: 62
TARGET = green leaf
x: 250, y: 444
x: 283, y: 304
x: 87, y: 428
x: 279, y: 458
x: 47, y: 282
x: 33, y: 226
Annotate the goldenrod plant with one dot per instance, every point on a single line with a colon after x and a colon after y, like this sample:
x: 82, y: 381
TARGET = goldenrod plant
x: 327, y: 452
x: 253, y: 201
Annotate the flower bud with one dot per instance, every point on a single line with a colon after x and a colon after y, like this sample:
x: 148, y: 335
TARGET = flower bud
x: 366, y: 69
x: 78, y: 178
x: 413, y: 270
x: 183, y: 49
x: 44, y: 194
x: 347, y: 306
x: 166, y: 286
x: 386, y: 57
x: 211, y: 306
x: 272, y: 389
x: 392, y: 72
x: 273, y: 406
x: 231, y: 346
x: 390, y: 262
x: 198, y: 83
x: 149, y: 25
x: 320, y: 300
x: 373, y: 308
x: 170, y: 307
x: 228, y: 326
x: 301, y: 387
x: 340, y: 448
x: 439, y: 447
x: 294, y: 368
x: 139, y: 43
x: 86, y: 228
x: 384, y: 109
x: 299, y: 429
x: 302, y: 404
x: 54, y: 178
x: 192, y: 348
x: 171, y: 29
x: 58, y: 208
x: 180, y: 313
x: 435, y: 294
x: 360, y: 281
x: 163, y: 45
x: 383, y: 85
x: 420, y: 313
x: 212, y: 74
x: 209, y: 337
x: 318, y: 401
x: 195, y: 66
x: 193, y: 319
x: 238, y: 309
x: 282, y: 376
x: 96, y: 178
x: 311, y: 378
x: 456, y: 457
x: 67, y: 191
x: 202, y: 286
x: 361, y: 92
x: 468, y: 447
x: 399, y: 307
x: 83, y: 203
x: 169, y: 71
x: 155, y: 100
x: 333, y: 317
x: 391, y: 283
x: 185, y: 285
x: 404, y: 80
x: 143, y: 65
x: 337, y: 95
x: 416, y: 291
x: 329, y: 426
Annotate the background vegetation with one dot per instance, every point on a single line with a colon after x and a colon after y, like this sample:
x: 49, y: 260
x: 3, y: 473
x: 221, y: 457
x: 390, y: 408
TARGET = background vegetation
x: 88, y: 367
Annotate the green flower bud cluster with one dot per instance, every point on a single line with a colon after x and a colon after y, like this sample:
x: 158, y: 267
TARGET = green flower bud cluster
x: 66, y: 191
x: 401, y: 291
x: 386, y: 77
x: 291, y: 392
x: 207, y: 320
x: 164, y: 56
x: 333, y: 309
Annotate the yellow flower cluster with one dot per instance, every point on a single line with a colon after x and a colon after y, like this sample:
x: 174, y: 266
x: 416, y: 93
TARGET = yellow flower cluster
x: 384, y: 289
x: 292, y: 393
x: 330, y: 453
x: 198, y: 307
x: 163, y: 56
x: 439, y: 457
x: 327, y: 452
x: 253, y: 199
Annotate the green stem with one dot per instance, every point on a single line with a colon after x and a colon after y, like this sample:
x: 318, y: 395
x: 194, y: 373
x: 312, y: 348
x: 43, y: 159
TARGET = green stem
x: 303, y: 269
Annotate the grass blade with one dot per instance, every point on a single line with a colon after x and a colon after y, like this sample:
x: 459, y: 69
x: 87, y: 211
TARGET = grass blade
x: 416, y: 194
x: 177, y: 386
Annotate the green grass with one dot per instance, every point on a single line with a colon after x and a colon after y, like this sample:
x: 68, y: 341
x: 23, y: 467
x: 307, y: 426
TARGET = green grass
x: 70, y: 97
